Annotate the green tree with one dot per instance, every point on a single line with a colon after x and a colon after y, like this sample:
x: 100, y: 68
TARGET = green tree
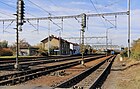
x: 4, y: 50
x: 4, y: 44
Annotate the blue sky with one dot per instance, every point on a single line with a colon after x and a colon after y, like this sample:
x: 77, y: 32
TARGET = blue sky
x: 96, y: 25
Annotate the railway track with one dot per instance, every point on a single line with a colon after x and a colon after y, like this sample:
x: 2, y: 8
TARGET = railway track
x: 22, y: 76
x: 50, y: 58
x: 13, y: 60
x: 34, y: 62
x: 91, y: 78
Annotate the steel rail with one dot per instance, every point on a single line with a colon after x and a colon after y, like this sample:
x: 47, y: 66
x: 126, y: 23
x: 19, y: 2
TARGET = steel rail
x: 74, y: 80
x: 23, y: 76
x: 38, y: 62
x: 104, y: 73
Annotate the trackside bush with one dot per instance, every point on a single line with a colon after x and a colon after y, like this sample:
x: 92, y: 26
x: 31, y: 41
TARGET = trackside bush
x: 6, y: 52
x: 136, y: 49
x: 124, y: 53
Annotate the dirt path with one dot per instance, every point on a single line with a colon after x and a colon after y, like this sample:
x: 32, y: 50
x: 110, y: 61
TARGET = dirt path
x: 126, y: 79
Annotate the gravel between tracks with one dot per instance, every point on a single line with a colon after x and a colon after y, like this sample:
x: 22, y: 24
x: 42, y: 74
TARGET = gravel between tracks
x: 49, y: 80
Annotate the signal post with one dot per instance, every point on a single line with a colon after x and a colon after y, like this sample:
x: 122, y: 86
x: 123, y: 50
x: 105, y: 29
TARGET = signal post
x: 83, y: 30
x: 19, y: 22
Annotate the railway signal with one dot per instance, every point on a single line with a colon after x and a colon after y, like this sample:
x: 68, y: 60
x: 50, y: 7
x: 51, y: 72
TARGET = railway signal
x: 83, y: 20
x: 83, y: 30
x: 20, y: 21
x: 20, y: 12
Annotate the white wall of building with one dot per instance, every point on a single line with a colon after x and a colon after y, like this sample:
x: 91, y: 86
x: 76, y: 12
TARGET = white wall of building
x: 75, y: 49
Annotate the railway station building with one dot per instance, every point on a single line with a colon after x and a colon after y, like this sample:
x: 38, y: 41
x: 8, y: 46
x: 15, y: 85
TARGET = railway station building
x: 56, y: 45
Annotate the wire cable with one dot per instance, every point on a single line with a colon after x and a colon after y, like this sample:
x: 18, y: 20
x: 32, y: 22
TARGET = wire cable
x: 40, y: 7
x: 97, y: 11
x: 102, y: 15
x: 15, y: 8
x: 56, y: 24
x: 113, y: 3
x: 114, y: 25
x: 46, y: 12
x: 7, y: 4
x: 5, y: 13
x: 70, y: 25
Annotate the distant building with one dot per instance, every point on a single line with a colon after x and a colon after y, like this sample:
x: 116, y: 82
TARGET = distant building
x: 74, y: 49
x: 28, y: 51
x: 57, y: 45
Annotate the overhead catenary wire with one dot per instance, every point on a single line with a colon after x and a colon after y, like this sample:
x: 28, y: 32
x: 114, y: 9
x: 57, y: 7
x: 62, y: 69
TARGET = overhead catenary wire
x: 50, y: 14
x: 72, y: 16
x: 97, y: 12
x: 109, y: 22
x: 7, y: 4
x: 4, y: 29
x: 26, y: 12
x: 59, y: 26
x: 108, y: 5
x: 56, y: 24
x: 115, y: 15
x: 7, y: 14
x: 70, y: 25
x: 113, y: 3
x: 32, y: 25
x: 40, y: 7
x: 96, y: 2
x: 102, y: 15
x: 78, y: 20
x: 15, y: 8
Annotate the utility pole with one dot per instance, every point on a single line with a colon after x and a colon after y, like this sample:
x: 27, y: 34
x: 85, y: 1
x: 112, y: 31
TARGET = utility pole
x: 107, y: 39
x: 49, y: 28
x: 129, y: 29
x: 19, y: 23
x: 80, y: 37
x: 83, y: 30
x: 60, y: 37
x: 59, y: 41
x: 62, y: 25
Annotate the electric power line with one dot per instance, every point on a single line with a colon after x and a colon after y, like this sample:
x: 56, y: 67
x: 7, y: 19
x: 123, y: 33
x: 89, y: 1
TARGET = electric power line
x: 15, y: 8
x: 7, y: 4
x: 5, y: 13
x: 47, y: 12
x: 55, y: 24
x: 113, y: 3
x: 40, y: 7
x: 97, y: 11
x: 70, y: 25
x: 102, y: 15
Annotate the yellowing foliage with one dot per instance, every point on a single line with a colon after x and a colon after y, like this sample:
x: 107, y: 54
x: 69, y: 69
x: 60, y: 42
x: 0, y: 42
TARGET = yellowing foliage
x: 136, y: 49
